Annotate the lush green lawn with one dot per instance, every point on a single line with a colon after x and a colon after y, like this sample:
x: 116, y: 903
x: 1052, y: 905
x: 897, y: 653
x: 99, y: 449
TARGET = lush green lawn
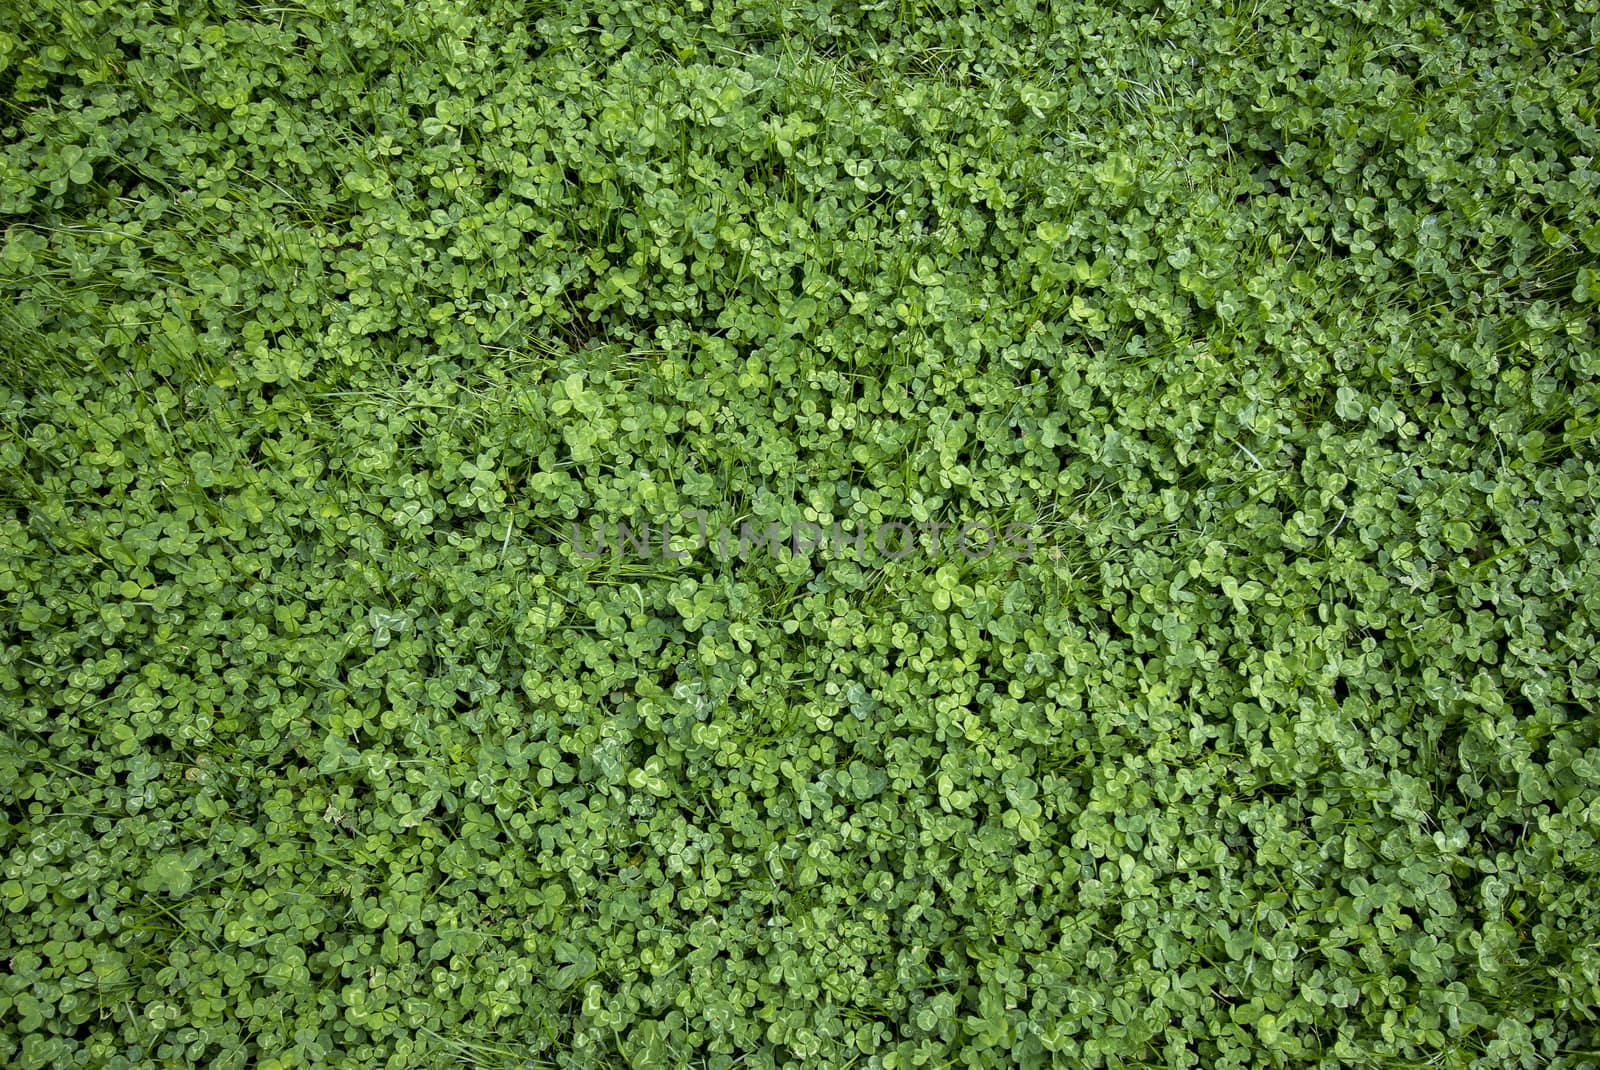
x: 1268, y: 736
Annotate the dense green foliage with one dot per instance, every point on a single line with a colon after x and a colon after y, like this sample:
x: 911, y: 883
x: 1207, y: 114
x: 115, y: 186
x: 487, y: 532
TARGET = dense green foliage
x: 322, y: 321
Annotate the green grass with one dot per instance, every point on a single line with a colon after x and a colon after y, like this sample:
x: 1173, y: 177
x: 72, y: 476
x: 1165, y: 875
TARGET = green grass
x: 1274, y: 324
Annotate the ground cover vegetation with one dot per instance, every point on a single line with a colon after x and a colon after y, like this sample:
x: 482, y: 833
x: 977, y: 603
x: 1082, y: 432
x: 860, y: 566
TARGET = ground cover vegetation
x: 1273, y: 322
